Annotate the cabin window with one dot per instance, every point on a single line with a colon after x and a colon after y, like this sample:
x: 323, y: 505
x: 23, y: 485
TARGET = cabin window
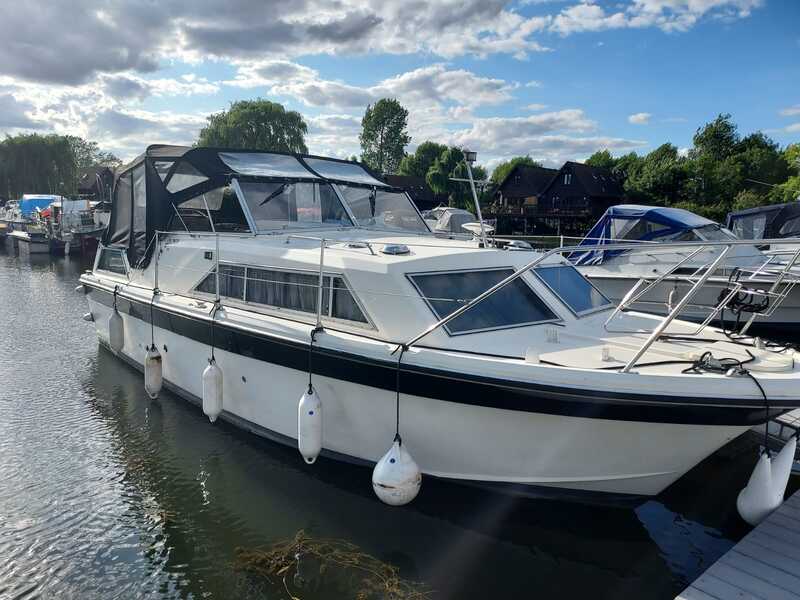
x: 567, y: 178
x: 184, y: 176
x: 231, y: 282
x: 113, y: 261
x: 273, y: 205
x: 382, y: 209
x: 286, y: 289
x: 514, y: 305
x: 221, y: 204
x: 572, y: 288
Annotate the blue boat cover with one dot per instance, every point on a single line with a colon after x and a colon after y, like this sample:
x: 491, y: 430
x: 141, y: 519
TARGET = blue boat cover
x: 30, y: 203
x: 658, y: 221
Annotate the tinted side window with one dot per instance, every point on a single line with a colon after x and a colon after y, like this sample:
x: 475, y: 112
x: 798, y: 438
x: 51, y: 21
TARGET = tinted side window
x: 514, y: 305
x: 572, y: 288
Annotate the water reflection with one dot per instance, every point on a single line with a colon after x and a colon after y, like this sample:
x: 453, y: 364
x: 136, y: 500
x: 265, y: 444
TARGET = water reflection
x: 107, y: 490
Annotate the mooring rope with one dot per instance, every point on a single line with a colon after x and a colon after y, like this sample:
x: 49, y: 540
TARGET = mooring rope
x: 402, y: 349
x: 314, y: 333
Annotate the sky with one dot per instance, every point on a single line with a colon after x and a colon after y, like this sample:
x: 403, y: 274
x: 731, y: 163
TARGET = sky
x: 553, y: 79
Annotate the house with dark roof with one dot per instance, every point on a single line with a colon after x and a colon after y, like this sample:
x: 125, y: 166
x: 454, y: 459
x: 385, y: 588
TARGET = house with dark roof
x: 577, y: 196
x: 419, y: 191
x: 537, y: 201
x: 522, y: 187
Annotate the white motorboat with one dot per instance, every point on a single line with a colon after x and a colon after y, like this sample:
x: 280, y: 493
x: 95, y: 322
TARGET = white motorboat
x: 766, y: 284
x: 495, y: 367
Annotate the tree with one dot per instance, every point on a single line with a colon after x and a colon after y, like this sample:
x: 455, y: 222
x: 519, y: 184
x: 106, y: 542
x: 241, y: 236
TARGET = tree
x: 88, y: 154
x: 502, y: 170
x: 418, y: 163
x: 659, y: 177
x: 450, y: 164
x: 384, y: 135
x: 601, y: 158
x: 37, y: 164
x: 256, y: 125
x: 716, y: 140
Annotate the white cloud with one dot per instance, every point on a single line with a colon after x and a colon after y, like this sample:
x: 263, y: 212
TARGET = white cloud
x: 667, y: 15
x: 436, y: 83
x: 642, y: 118
x: 793, y: 128
x: 791, y: 111
x: 536, y: 107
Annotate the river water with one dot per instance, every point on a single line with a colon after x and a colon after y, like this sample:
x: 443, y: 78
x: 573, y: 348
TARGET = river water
x: 106, y: 494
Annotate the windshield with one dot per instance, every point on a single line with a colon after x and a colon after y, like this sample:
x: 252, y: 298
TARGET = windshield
x: 275, y: 205
x: 381, y: 209
x: 714, y: 233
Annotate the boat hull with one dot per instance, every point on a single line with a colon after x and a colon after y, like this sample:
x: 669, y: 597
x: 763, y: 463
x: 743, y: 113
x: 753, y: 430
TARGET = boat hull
x: 472, y: 439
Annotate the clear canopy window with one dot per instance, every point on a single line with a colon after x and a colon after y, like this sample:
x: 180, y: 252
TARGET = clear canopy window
x: 342, y: 171
x: 750, y: 227
x: 274, y: 205
x: 514, y: 305
x: 572, y: 288
x: 382, y: 209
x: 184, y: 176
x: 264, y: 164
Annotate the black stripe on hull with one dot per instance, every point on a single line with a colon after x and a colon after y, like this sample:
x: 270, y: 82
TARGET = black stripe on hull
x: 459, y: 388
x: 523, y: 490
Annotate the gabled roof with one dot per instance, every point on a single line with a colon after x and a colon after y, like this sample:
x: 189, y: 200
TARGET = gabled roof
x: 526, y: 180
x: 598, y: 182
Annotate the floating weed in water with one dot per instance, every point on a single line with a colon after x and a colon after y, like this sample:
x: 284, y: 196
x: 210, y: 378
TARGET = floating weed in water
x: 329, y: 568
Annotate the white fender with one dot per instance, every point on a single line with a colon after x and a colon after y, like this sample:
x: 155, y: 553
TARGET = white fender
x: 309, y: 425
x: 396, y: 478
x: 212, y: 390
x: 153, y: 377
x: 767, y: 485
x: 116, y: 331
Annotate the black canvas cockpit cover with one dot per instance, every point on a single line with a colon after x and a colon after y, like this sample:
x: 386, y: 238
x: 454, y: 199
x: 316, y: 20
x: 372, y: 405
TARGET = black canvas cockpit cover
x: 146, y: 196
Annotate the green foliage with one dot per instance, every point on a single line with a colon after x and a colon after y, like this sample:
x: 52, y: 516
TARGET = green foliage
x: 418, y: 163
x: 88, y: 154
x: 749, y: 199
x: 723, y: 171
x: 256, y: 125
x: 37, y: 164
x: 601, y: 158
x: 384, y: 135
x: 792, y: 157
x: 448, y: 165
x: 502, y: 170
x: 786, y: 192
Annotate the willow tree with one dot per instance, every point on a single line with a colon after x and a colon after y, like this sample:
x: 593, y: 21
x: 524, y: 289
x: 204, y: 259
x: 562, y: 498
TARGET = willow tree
x: 384, y: 135
x: 37, y: 164
x: 256, y: 125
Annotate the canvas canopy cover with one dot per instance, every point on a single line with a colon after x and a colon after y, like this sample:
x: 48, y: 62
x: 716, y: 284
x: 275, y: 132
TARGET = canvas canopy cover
x: 148, y: 191
x: 634, y: 222
x: 451, y: 220
x: 31, y: 203
x: 765, y: 222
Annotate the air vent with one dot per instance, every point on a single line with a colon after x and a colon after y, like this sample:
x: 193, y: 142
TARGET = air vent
x: 396, y: 249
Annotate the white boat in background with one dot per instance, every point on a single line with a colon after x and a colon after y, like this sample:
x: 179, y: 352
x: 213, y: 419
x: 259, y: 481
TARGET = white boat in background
x: 495, y: 367
x: 767, y: 296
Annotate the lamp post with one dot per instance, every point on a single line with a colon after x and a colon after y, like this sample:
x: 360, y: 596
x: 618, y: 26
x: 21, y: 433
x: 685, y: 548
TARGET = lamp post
x: 470, y: 158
